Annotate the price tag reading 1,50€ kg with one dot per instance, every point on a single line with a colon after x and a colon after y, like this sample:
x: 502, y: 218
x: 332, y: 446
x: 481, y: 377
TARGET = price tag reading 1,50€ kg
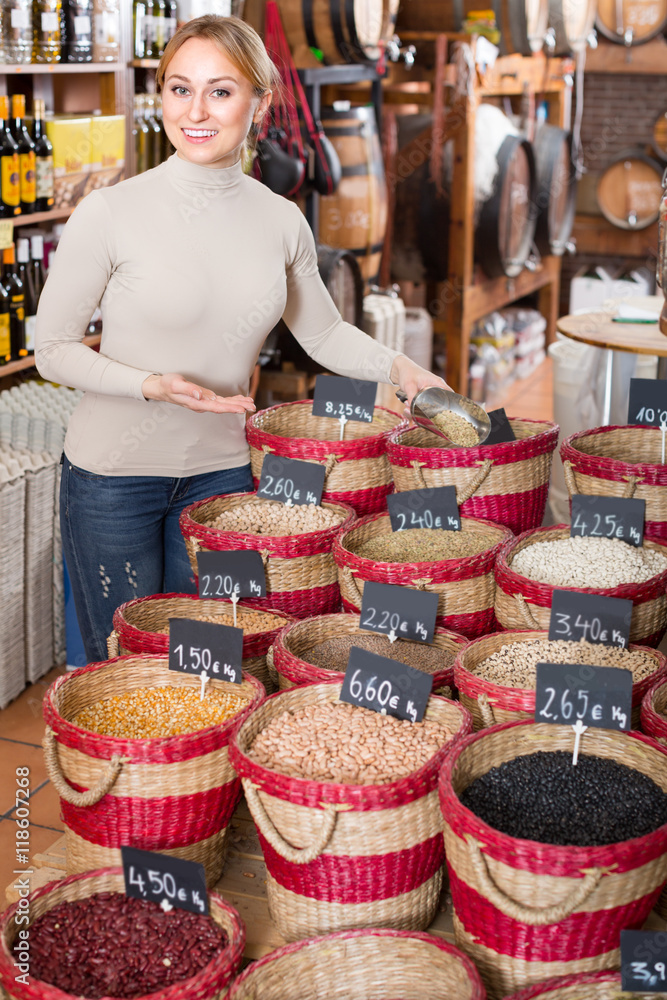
x: 204, y: 647
x: 169, y: 882
x: 608, y: 517
x: 429, y: 508
x: 338, y: 397
x: 595, y: 696
x: 644, y: 962
x: 385, y: 686
x: 232, y: 573
x: 290, y: 481
x: 398, y: 612
x: 648, y: 401
x: 575, y: 616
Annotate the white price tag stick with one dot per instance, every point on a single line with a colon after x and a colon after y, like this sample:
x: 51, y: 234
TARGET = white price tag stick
x: 392, y: 636
x: 579, y: 730
x: 166, y: 906
x: 663, y: 428
x: 202, y: 691
x: 235, y: 601
x: 343, y: 421
x: 289, y: 503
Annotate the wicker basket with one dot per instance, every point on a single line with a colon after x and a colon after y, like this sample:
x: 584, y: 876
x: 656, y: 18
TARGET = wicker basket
x: 343, y: 966
x: 506, y: 483
x: 301, y: 577
x: 654, y: 723
x: 357, y: 470
x: 620, y: 462
x: 174, y: 794
x: 296, y: 640
x: 465, y: 587
x: 138, y: 627
x: 210, y: 983
x: 491, y: 702
x: 591, y: 986
x: 346, y: 856
x: 522, y: 603
x: 526, y: 911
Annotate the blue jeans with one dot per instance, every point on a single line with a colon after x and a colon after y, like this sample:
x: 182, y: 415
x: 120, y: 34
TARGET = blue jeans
x: 121, y: 539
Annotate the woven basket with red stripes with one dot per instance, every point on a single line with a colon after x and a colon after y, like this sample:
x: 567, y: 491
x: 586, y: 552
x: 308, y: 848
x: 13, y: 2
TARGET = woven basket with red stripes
x: 295, y: 642
x: 301, y: 577
x: 142, y: 626
x: 588, y: 986
x: 410, y: 965
x: 465, y: 587
x: 210, y: 983
x: 357, y: 470
x: 490, y: 702
x: 506, y: 483
x: 173, y: 794
x: 620, y: 462
x: 522, y: 603
x: 654, y: 723
x: 335, y: 858
x: 525, y: 911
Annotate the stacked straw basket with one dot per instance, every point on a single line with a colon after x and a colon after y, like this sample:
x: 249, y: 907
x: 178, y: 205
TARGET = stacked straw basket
x: 173, y: 794
x: 410, y: 965
x: 491, y: 703
x: 654, y: 723
x: 142, y: 626
x: 301, y: 577
x: 465, y: 587
x: 591, y: 986
x: 522, y: 603
x: 210, y: 983
x: 346, y: 856
x: 506, y: 483
x: 357, y: 470
x: 289, y: 653
x: 526, y: 911
x: 620, y: 462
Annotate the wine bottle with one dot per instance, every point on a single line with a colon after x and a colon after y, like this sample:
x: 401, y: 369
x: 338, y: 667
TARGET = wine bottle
x: 25, y: 276
x: 37, y: 271
x: 10, y: 198
x: 5, y: 334
x: 26, y: 150
x: 106, y: 31
x: 44, y: 184
x: 46, y: 40
x: 77, y: 31
x: 154, y: 138
x: 150, y: 48
x: 142, y: 135
x: 170, y: 19
x: 16, y: 292
x: 159, y: 28
x: 139, y: 28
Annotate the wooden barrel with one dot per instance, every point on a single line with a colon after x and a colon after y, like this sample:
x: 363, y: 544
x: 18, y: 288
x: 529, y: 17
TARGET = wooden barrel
x: 629, y: 190
x: 355, y: 216
x: 522, y: 23
x: 571, y: 22
x: 660, y: 135
x: 555, y: 188
x: 631, y: 22
x: 344, y: 31
x: 340, y: 272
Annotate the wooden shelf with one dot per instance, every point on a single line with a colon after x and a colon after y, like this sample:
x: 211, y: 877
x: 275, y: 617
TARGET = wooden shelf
x: 36, y: 217
x: 29, y: 362
x: 595, y: 235
x: 145, y: 63
x: 649, y: 58
x: 495, y: 293
x: 29, y: 69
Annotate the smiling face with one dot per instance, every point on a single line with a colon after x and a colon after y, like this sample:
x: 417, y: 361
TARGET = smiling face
x: 208, y: 105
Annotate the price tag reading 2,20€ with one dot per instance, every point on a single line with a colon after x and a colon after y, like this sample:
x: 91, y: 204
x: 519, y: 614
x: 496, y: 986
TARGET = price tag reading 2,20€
x: 385, y: 685
x: 608, y: 517
x: 644, y: 962
x: 196, y: 647
x: 575, y: 616
x: 230, y: 574
x: 170, y: 882
x: 429, y: 508
x: 567, y: 693
x: 338, y: 397
x: 290, y: 481
x: 398, y: 612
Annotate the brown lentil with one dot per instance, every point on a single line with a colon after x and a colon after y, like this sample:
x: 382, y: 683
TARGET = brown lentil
x: 333, y: 653
x: 514, y: 665
x: 587, y: 562
x: 112, y: 945
x: 421, y: 545
x: 459, y: 430
x: 268, y: 517
x: 347, y: 744
x: 249, y: 621
x: 147, y: 713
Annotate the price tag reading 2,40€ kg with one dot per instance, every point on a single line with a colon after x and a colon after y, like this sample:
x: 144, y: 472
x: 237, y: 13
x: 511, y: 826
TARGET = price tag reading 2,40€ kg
x: 169, y: 882
x: 338, y: 397
x: 398, y: 612
x: 567, y: 693
x: 197, y: 647
x: 290, y: 481
x: 648, y: 402
x: 608, y: 517
x: 575, y: 616
x: 429, y: 508
x: 228, y: 574
x: 644, y: 962
x: 385, y: 686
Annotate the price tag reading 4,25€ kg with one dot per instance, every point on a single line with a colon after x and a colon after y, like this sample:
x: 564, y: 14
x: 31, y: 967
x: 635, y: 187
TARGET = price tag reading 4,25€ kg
x: 644, y: 962
x: 290, y: 481
x: 232, y: 573
x: 608, y: 517
x: 385, y: 686
x: 429, y: 508
x: 575, y: 616
x: 197, y: 647
x: 648, y: 402
x: 567, y: 693
x: 338, y: 397
x: 398, y: 612
x: 169, y: 882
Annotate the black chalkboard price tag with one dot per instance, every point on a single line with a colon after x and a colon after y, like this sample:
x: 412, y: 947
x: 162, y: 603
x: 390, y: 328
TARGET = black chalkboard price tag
x: 205, y: 647
x: 385, y: 686
x: 228, y: 574
x: 169, y: 882
x: 338, y: 397
x: 648, y: 402
x: 501, y: 429
x: 567, y: 693
x: 644, y: 962
x: 576, y: 616
x: 398, y: 612
x: 290, y: 481
x: 608, y: 517
x: 429, y: 508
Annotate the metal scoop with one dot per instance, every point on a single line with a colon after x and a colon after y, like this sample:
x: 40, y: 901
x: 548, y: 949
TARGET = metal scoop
x: 433, y: 402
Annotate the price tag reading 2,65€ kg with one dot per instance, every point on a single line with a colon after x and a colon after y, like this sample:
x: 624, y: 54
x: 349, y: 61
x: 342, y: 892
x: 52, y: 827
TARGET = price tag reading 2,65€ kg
x: 338, y: 397
x: 608, y: 517
x: 648, y: 402
x: 169, y: 882
x: 644, y: 962
x: 398, y: 612
x: 197, y: 647
x: 290, y: 481
x: 575, y: 616
x: 385, y: 686
x: 567, y: 693
x: 429, y: 508
x: 231, y: 574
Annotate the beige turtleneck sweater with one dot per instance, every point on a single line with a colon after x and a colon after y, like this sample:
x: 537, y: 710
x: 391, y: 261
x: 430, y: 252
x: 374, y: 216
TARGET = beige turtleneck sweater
x: 191, y: 267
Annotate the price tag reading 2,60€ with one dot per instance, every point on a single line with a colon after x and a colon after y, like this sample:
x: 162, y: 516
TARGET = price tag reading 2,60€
x: 338, y: 397
x: 169, y: 882
x: 230, y: 573
x: 575, y: 616
x: 398, y: 612
x: 429, y: 508
x: 385, y: 686
x: 196, y: 647
x: 644, y: 962
x: 290, y: 481
x: 595, y: 696
x: 648, y: 402
x: 608, y: 517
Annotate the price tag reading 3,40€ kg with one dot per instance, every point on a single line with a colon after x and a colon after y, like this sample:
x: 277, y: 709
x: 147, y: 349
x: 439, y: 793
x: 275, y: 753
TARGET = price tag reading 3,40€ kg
x: 429, y: 508
x: 351, y: 398
x: 608, y: 517
x: 567, y: 693
x: 385, y: 686
x: 290, y: 481
x: 575, y: 616
x: 398, y: 612
x: 197, y: 647
x: 231, y: 574
x: 169, y: 882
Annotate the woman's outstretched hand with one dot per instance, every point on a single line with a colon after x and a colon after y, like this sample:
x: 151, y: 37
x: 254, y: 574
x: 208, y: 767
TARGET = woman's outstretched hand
x: 411, y: 378
x: 173, y: 388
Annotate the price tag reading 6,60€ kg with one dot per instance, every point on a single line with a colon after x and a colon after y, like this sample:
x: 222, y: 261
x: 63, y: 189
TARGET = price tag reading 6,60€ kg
x: 169, y: 882
x: 575, y: 616
x: 290, y: 481
x: 398, y: 612
x: 567, y: 693
x: 351, y: 398
x: 385, y: 686
x: 197, y: 647
x: 608, y: 517
x: 644, y: 962
x: 231, y: 574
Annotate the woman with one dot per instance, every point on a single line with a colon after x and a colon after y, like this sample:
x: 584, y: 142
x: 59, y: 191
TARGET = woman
x: 192, y: 264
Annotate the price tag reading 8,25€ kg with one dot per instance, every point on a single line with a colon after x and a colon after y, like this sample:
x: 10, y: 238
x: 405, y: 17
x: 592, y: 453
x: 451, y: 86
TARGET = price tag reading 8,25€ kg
x: 385, y: 686
x: 398, y: 612
x: 290, y: 481
x: 575, y: 616
x: 351, y: 398
x: 169, y: 882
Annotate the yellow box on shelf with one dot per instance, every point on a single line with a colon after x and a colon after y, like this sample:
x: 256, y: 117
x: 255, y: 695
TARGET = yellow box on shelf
x: 107, y: 136
x: 72, y: 156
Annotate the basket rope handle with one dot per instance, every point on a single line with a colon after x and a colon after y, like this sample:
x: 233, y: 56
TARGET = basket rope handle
x: 113, y: 646
x: 417, y: 466
x: 422, y: 582
x: 296, y: 855
x: 329, y: 464
x: 471, y: 488
x: 267, y: 449
x: 534, y: 917
x: 630, y: 488
x: 350, y: 579
x: 570, y: 478
x: 270, y: 666
x: 529, y: 618
x: 486, y: 709
x: 104, y: 784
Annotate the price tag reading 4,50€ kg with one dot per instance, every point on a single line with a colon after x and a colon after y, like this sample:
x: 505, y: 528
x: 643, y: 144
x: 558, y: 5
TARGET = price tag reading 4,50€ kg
x: 608, y: 517
x: 429, y: 508
x: 290, y: 481
x: 169, y: 882
x: 576, y: 616
x: 338, y: 397
x: 644, y: 962
x: 648, y: 402
x: 385, y: 686
x: 595, y: 696
x: 398, y: 612
x: 204, y: 647
x: 228, y: 574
